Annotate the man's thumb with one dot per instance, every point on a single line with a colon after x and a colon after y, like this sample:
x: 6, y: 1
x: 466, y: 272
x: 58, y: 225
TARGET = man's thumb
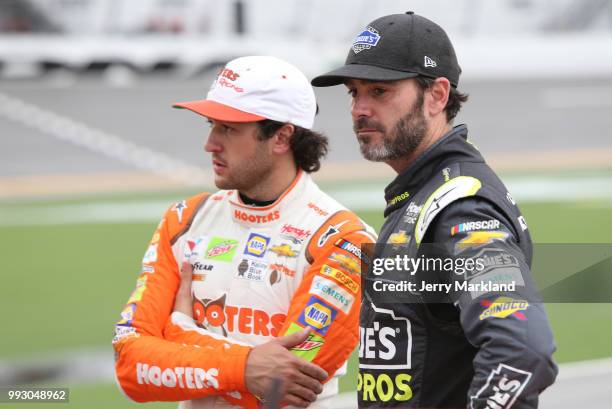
x: 289, y: 341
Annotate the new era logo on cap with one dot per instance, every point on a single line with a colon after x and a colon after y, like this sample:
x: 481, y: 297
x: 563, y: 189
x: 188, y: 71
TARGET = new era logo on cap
x: 429, y: 62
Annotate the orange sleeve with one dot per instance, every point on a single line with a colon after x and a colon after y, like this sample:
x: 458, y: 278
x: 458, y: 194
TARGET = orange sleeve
x: 151, y: 368
x: 328, y: 299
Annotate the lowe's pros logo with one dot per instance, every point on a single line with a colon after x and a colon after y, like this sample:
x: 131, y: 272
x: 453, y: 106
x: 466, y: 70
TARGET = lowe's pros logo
x: 367, y: 39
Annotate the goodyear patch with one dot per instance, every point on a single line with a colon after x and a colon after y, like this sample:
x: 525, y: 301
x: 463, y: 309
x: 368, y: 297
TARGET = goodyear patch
x: 256, y: 245
x: 503, y: 307
x: 318, y: 315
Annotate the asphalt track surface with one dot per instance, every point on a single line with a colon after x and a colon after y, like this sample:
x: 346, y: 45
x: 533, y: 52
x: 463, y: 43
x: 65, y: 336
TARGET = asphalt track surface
x: 517, y: 117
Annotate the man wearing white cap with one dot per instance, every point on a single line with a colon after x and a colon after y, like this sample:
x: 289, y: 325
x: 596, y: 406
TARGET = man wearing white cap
x: 270, y: 265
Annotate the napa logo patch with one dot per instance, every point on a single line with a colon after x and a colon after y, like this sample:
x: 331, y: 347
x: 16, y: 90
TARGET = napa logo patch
x: 365, y: 40
x: 256, y: 245
x: 318, y: 315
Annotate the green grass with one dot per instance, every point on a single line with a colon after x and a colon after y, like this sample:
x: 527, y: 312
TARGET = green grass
x: 64, y: 286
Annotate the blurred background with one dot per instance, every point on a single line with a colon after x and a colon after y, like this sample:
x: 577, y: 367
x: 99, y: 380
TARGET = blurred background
x: 91, y: 152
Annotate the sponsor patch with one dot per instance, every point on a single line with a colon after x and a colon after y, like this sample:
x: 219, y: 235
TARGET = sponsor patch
x: 214, y: 315
x: 399, y: 198
x: 179, y: 208
x: 221, y: 249
x: 280, y: 268
x: 141, y: 285
x: 122, y: 333
x: 318, y: 315
x: 179, y: 377
x: 503, y: 387
x: 147, y: 269
x: 256, y: 218
x: 523, y: 223
x: 340, y: 277
x: 308, y: 349
x: 332, y: 292
x: 256, y: 245
x: 477, y: 239
x: 412, y: 213
x: 155, y: 238
x: 503, y: 307
x: 193, y: 247
x: 127, y: 315
x: 399, y: 238
x: 500, y: 267
x: 347, y: 262
x: 318, y: 210
x: 386, y: 344
x: 331, y: 231
x: 252, y: 270
x: 284, y: 250
x: 454, y: 189
x: 365, y: 40
x: 296, y: 234
x: 351, y: 248
x: 492, y: 224
x: 150, y: 255
x: 199, y: 267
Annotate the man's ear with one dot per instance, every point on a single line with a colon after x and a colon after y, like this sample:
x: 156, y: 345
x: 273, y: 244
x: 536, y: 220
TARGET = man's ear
x: 281, y: 141
x: 436, y: 96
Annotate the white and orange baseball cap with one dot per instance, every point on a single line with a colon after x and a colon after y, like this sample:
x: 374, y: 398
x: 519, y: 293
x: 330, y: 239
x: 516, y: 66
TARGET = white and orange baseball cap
x: 255, y: 88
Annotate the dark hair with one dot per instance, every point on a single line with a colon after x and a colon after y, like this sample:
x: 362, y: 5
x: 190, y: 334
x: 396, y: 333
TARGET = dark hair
x: 455, y: 98
x: 308, y: 146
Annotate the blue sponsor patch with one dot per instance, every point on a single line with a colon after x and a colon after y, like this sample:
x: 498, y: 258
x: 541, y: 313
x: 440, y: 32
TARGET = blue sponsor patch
x: 127, y: 316
x: 256, y: 245
x: 365, y: 40
x: 318, y: 315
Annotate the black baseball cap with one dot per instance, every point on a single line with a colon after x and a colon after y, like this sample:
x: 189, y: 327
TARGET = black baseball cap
x: 396, y: 47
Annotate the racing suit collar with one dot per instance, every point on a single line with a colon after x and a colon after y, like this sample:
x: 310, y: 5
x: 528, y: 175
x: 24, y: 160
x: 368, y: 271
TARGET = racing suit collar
x: 453, y: 144
x: 264, y: 216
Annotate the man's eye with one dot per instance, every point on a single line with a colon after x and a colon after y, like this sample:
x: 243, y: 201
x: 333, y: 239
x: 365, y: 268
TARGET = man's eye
x: 352, y: 92
x: 379, y: 91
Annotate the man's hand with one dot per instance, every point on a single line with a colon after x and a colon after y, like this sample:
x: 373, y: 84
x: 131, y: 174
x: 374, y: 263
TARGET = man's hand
x: 301, y: 380
x: 183, y: 301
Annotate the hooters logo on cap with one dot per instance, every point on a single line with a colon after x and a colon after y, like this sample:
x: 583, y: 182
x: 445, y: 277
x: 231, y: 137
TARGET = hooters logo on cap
x: 255, y: 88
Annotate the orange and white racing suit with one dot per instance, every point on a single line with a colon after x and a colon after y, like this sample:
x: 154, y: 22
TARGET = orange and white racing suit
x: 258, y: 273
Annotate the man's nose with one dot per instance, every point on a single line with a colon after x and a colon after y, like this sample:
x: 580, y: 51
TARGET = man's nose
x: 211, y: 145
x: 360, y: 107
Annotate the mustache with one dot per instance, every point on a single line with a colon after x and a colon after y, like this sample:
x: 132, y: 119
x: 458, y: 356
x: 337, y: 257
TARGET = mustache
x: 366, y: 123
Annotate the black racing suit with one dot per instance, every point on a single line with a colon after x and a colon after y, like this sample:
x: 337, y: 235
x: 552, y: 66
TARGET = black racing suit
x: 479, y: 346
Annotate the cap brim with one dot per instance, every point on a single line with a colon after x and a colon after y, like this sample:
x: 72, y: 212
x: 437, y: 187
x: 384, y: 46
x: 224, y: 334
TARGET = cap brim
x: 215, y: 110
x: 360, y: 72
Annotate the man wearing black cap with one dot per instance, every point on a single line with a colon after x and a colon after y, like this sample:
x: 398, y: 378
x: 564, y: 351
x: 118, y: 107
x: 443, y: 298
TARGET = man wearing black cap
x: 460, y: 336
